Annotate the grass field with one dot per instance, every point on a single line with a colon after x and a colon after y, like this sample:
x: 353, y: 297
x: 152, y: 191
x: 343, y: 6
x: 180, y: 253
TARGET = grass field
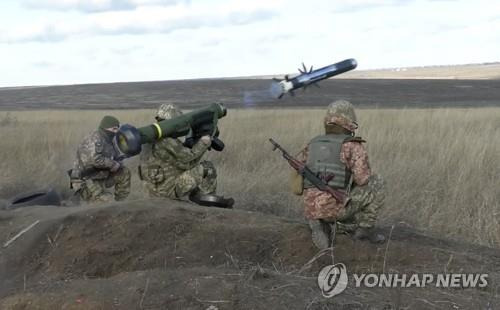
x: 441, y: 165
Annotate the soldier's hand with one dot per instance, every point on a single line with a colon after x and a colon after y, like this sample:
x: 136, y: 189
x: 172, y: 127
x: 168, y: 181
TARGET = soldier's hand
x: 206, y: 140
x: 115, y: 167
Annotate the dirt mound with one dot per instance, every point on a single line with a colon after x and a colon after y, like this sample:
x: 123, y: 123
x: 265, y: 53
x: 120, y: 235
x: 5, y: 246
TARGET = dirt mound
x: 165, y: 255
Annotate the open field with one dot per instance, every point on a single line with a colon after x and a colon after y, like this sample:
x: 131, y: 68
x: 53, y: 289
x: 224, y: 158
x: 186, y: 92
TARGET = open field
x: 441, y: 165
x: 240, y: 93
x: 442, y: 172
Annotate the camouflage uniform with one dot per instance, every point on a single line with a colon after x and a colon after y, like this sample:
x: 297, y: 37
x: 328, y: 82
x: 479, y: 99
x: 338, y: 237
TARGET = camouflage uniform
x: 94, y: 160
x: 366, y: 190
x: 366, y: 195
x: 171, y: 170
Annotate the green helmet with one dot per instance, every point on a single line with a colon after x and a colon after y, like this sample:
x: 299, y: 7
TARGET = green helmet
x: 109, y: 121
x: 168, y: 111
x: 341, y: 112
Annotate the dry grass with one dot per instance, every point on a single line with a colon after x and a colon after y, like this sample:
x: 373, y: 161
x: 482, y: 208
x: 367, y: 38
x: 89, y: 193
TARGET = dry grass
x: 441, y: 166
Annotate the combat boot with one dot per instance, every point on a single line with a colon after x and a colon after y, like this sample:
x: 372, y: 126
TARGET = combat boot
x: 320, y: 237
x: 369, y: 234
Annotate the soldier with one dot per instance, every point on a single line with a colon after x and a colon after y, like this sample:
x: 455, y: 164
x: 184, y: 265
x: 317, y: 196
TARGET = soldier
x: 171, y: 170
x: 97, y: 167
x: 342, y: 161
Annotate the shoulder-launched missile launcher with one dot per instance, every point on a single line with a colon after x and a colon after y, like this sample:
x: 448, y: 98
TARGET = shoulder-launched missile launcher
x: 129, y: 139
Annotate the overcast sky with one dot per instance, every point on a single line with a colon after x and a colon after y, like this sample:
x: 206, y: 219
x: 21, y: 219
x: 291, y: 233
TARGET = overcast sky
x: 46, y: 42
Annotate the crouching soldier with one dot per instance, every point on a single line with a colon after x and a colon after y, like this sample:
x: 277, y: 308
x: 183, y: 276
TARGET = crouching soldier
x: 172, y: 170
x: 97, y: 167
x: 342, y: 161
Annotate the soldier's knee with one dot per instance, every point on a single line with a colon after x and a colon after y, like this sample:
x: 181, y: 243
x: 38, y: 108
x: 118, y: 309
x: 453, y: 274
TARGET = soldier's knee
x: 187, y: 182
x: 376, y: 182
x: 209, y: 170
x: 96, y: 197
x: 104, y: 197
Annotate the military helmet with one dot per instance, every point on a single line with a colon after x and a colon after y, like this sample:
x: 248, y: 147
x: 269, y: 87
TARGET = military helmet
x: 341, y: 112
x: 168, y: 111
x: 109, y: 121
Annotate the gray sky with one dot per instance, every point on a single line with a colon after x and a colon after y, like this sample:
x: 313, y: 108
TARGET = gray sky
x: 45, y: 42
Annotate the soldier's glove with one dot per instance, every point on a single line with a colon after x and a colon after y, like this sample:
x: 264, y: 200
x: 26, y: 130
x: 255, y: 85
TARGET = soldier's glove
x: 117, y: 165
x: 207, y: 140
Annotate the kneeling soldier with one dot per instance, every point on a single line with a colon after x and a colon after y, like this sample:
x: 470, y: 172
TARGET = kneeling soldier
x: 97, y: 167
x: 171, y: 170
x: 341, y: 159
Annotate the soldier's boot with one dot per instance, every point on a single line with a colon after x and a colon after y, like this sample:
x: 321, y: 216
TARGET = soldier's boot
x: 369, y: 234
x: 320, y: 236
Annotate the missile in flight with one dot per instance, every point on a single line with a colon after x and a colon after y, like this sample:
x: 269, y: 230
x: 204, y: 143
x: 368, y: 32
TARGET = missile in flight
x: 309, y: 77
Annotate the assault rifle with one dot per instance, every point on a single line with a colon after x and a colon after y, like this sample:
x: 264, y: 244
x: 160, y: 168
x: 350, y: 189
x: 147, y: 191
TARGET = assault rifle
x: 307, y: 174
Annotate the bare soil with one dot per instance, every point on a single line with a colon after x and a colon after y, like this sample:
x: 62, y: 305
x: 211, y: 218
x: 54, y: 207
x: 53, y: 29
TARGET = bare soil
x: 155, y: 254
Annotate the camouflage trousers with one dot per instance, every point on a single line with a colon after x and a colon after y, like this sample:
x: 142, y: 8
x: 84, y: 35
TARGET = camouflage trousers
x: 97, y: 190
x: 361, y: 211
x: 202, y: 177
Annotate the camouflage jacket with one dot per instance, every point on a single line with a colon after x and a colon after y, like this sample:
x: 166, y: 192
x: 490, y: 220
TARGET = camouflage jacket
x: 96, y: 152
x: 162, y: 162
x: 320, y: 204
x: 354, y: 156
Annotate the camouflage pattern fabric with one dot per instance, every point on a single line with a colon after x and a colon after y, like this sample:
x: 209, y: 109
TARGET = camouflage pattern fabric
x: 171, y: 170
x: 95, y: 190
x: 202, y: 176
x: 320, y: 205
x: 367, y: 194
x: 341, y: 112
x: 168, y: 111
x: 365, y: 204
x: 97, y: 154
x: 361, y: 211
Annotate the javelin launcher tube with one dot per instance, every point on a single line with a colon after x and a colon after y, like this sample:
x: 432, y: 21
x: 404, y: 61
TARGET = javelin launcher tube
x: 129, y: 139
